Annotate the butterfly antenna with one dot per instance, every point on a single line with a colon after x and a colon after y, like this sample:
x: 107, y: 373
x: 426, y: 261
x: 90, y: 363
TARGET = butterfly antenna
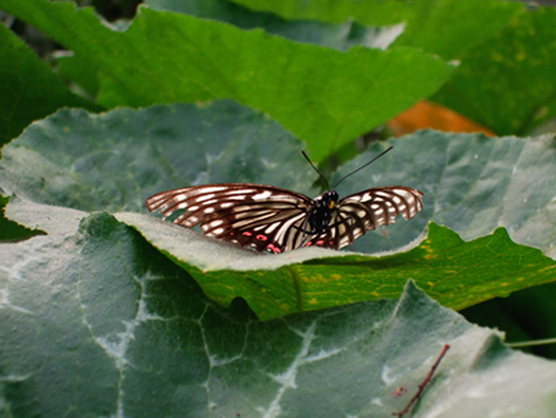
x: 361, y: 168
x: 316, y: 169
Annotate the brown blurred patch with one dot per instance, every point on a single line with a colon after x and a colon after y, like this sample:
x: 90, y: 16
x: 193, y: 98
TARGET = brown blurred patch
x: 427, y: 115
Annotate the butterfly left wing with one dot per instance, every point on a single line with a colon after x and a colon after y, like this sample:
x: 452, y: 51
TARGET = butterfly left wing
x: 366, y: 210
x: 265, y: 218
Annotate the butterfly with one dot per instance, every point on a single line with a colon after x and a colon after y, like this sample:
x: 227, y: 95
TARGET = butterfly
x: 275, y: 220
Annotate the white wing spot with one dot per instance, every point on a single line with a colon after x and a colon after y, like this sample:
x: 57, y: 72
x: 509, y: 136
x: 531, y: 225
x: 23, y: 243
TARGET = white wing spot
x: 179, y: 197
x: 209, y: 210
x: 226, y: 205
x: 210, y: 202
x: 205, y: 197
x: 262, y: 196
x: 218, y: 231
x: 240, y: 191
x: 212, y: 189
x: 218, y: 222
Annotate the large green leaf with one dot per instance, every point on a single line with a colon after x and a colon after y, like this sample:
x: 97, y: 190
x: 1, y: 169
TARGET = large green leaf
x: 505, y: 80
x: 324, y: 96
x: 472, y: 184
x: 116, y: 160
x: 445, y: 27
x: 28, y: 89
x: 455, y: 273
x: 507, y: 83
x: 96, y: 322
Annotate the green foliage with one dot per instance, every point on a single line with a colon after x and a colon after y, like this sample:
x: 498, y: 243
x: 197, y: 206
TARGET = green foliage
x: 507, y: 83
x: 468, y: 181
x: 108, y: 311
x: 455, y: 273
x: 98, y: 321
x: 169, y: 57
x: 28, y: 89
x: 430, y: 25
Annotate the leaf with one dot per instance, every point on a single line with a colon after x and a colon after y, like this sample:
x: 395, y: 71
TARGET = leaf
x: 100, y: 324
x: 79, y: 71
x: 342, y: 35
x: 507, y: 84
x: 169, y: 57
x: 455, y: 273
x: 115, y: 161
x: 12, y: 231
x: 28, y: 89
x: 505, y: 81
x: 445, y: 27
x: 472, y: 185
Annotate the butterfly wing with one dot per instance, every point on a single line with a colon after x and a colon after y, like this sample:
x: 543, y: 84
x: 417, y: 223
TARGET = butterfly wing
x: 265, y: 218
x: 366, y: 210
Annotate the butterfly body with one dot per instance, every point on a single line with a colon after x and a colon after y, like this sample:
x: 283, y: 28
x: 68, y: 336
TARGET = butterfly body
x: 322, y: 213
x: 271, y: 219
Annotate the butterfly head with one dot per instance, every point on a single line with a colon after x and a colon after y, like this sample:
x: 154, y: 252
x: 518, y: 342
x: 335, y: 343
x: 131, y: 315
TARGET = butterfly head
x: 328, y: 199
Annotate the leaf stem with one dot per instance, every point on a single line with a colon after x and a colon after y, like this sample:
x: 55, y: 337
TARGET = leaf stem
x: 532, y: 343
x: 423, y: 384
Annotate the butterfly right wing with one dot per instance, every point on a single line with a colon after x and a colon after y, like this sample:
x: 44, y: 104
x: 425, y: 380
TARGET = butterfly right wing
x: 371, y: 208
x: 265, y: 218
x: 366, y: 210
